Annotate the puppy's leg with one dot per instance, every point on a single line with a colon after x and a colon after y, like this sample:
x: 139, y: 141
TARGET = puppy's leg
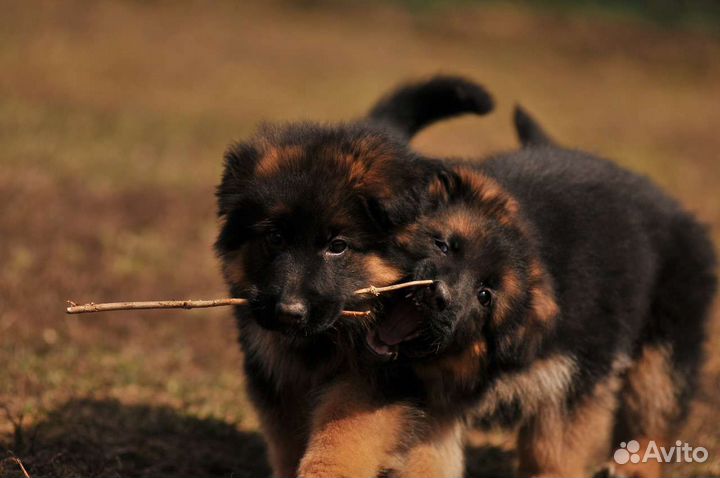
x: 439, y: 454
x: 663, y: 378
x: 649, y: 407
x: 559, y: 442
x: 285, y: 439
x: 351, y: 436
x: 283, y: 417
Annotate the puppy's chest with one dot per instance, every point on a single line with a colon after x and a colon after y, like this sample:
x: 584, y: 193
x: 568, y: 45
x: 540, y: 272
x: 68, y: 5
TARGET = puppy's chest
x: 454, y: 379
x: 285, y: 364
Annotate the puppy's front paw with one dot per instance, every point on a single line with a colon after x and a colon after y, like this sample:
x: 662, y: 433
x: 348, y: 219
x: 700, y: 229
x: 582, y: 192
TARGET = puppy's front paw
x: 321, y: 469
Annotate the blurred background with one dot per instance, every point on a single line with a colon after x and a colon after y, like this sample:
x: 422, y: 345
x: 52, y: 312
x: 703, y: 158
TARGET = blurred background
x: 113, y: 120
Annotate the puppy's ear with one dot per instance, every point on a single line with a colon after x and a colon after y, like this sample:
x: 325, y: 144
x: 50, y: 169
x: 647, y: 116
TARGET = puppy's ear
x: 529, y: 131
x: 236, y: 227
x: 377, y: 213
x: 409, y: 192
x: 240, y: 162
x: 442, y: 187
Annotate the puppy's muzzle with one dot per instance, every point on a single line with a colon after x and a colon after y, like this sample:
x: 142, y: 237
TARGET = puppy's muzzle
x: 436, y: 296
x: 440, y: 295
x: 291, y: 312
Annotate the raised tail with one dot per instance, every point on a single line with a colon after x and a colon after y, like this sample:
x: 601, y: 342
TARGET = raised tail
x: 529, y: 131
x: 412, y: 107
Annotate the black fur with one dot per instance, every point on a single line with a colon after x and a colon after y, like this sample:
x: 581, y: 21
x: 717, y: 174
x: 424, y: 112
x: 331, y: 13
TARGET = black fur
x: 307, y: 212
x: 565, y: 287
x: 412, y: 107
x: 285, y: 219
x: 528, y: 130
x: 356, y: 181
x: 604, y: 267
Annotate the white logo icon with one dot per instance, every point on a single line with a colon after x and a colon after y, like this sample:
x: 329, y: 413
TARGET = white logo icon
x: 627, y: 452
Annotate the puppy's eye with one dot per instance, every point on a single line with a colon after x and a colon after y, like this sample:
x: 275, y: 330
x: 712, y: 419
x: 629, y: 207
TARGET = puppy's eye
x: 484, y: 296
x: 337, y: 246
x: 274, y: 238
x: 442, y: 245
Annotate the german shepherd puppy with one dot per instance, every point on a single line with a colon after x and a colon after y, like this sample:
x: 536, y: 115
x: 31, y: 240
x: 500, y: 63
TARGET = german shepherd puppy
x: 570, y: 299
x: 307, y: 212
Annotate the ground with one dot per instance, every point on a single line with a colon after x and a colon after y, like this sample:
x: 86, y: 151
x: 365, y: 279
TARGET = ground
x: 113, y: 120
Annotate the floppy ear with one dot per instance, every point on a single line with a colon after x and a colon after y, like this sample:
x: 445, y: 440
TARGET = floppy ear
x: 442, y: 187
x: 408, y: 192
x: 237, y: 206
x: 377, y: 213
x: 237, y: 226
x: 387, y: 211
x: 240, y: 162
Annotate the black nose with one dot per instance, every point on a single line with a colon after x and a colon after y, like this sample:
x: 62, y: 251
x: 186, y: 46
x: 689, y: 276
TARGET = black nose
x: 441, y: 295
x: 291, y: 312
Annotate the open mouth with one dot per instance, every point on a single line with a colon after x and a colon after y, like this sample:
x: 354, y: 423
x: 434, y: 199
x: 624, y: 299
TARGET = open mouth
x: 402, y: 322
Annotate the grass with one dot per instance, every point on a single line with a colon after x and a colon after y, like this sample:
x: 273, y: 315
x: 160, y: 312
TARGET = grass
x: 113, y: 120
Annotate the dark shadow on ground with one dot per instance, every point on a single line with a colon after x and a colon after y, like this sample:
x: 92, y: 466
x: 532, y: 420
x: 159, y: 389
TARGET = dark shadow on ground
x: 106, y: 438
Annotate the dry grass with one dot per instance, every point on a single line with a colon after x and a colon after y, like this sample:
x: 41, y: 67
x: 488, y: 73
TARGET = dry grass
x: 113, y: 119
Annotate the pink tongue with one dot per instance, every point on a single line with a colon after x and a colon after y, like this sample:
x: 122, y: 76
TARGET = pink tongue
x: 401, y: 325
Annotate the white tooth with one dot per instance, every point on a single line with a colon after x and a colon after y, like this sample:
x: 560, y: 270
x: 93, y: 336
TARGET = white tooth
x: 409, y: 294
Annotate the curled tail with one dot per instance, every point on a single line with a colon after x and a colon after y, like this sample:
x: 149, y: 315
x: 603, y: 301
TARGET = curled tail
x: 412, y: 107
x: 529, y: 131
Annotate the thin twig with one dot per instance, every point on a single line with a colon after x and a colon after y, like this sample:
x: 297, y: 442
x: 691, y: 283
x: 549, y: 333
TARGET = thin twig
x: 17, y: 460
x: 379, y: 290
x: 74, y: 308
x: 153, y: 304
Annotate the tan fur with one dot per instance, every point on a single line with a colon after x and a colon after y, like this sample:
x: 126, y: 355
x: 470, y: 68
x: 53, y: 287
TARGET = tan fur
x: 441, y: 454
x: 405, y: 237
x: 368, y: 166
x: 650, y: 406
x: 512, y: 284
x: 437, y: 190
x: 233, y: 269
x: 358, y: 170
x: 511, y: 287
x: 463, y: 368
x: 462, y: 222
x: 544, y: 305
x: 649, y: 469
x: 508, y: 216
x: 556, y: 442
x: 273, y: 157
x: 380, y: 271
x: 546, y: 381
x: 351, y: 436
x: 650, y: 393
x: 488, y: 189
x: 493, y: 197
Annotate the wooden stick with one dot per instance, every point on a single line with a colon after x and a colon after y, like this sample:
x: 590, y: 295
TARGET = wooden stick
x: 22, y: 467
x: 74, y: 308
x: 379, y: 290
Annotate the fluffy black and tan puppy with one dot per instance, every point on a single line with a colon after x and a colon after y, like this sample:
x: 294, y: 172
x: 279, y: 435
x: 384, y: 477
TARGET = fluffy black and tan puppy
x: 570, y: 299
x: 307, y: 211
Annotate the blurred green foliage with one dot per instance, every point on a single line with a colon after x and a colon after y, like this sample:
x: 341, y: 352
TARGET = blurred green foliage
x: 701, y: 14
